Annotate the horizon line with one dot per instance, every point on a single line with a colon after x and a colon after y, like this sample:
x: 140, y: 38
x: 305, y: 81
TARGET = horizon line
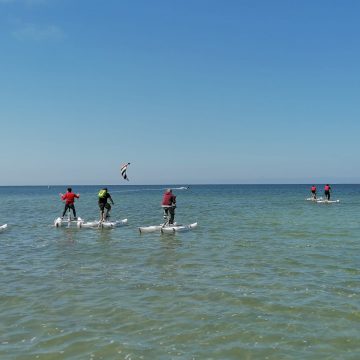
x: 187, y: 184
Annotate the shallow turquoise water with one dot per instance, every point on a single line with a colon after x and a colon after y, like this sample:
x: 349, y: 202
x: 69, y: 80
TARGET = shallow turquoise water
x: 266, y: 275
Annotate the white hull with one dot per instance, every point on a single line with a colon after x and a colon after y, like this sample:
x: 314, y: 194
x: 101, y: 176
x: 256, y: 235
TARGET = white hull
x: 149, y: 229
x: 167, y: 229
x: 66, y: 222
x: 3, y: 227
x: 81, y: 223
x: 312, y: 199
x: 152, y: 228
x: 327, y: 201
x: 178, y: 228
x: 103, y: 224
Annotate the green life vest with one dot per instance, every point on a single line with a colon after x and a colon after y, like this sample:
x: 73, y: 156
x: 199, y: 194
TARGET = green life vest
x: 102, y: 194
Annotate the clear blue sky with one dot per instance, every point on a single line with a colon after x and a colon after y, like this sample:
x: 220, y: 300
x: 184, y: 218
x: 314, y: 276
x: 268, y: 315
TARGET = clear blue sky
x: 189, y: 92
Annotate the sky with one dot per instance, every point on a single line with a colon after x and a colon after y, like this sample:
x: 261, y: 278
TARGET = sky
x: 187, y: 91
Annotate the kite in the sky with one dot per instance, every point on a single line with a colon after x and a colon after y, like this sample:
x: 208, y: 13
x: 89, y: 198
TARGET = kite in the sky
x: 123, y: 171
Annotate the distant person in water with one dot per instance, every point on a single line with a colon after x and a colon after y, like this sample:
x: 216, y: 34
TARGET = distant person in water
x: 313, y: 191
x: 69, y: 198
x: 104, y: 206
x: 327, y: 190
x: 169, y: 205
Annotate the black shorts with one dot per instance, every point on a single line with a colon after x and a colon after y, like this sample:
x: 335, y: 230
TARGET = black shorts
x: 104, y: 206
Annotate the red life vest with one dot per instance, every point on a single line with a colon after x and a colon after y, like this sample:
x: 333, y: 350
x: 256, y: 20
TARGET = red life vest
x: 69, y: 197
x: 327, y: 188
x: 169, y: 199
x: 313, y: 188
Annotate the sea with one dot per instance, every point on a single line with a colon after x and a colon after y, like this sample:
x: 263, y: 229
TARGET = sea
x: 265, y: 275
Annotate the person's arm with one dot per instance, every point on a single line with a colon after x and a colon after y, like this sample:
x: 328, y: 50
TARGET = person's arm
x: 112, y: 201
x: 77, y: 195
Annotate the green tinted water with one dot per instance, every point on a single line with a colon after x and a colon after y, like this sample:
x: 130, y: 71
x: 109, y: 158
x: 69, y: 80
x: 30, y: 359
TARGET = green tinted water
x: 266, y: 275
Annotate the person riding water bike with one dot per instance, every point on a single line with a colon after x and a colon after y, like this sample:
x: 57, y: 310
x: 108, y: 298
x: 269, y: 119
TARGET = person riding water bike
x: 69, y: 198
x: 327, y: 190
x: 169, y: 205
x: 313, y: 191
x: 104, y: 206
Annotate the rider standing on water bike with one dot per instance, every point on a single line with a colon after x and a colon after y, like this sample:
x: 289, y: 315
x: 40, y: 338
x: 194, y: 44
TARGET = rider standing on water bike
x: 313, y: 191
x: 327, y: 190
x: 103, y: 203
x: 169, y: 205
x: 69, y: 198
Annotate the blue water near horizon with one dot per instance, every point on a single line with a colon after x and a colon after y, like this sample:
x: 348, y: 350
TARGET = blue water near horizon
x: 266, y: 275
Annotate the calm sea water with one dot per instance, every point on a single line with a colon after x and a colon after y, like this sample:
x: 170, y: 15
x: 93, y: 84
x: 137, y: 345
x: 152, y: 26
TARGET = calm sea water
x: 266, y: 275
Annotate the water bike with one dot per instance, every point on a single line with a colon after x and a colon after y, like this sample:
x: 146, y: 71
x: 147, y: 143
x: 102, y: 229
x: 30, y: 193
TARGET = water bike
x: 101, y: 224
x: 325, y: 201
x: 81, y: 223
x: 69, y: 221
x: 166, y: 227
